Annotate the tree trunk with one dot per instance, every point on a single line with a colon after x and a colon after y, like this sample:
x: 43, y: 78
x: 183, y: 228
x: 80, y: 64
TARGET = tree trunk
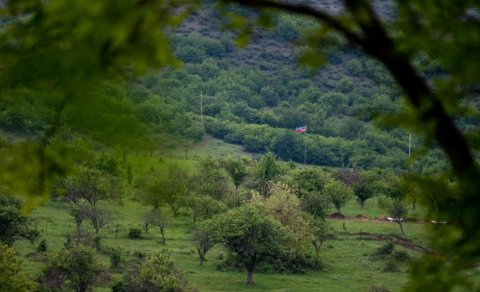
x: 162, y: 232
x: 78, y: 227
x: 249, y: 275
x: 401, y: 226
x: 317, y: 246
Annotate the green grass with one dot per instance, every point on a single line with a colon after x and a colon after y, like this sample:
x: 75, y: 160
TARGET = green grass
x: 347, y: 257
x: 349, y: 266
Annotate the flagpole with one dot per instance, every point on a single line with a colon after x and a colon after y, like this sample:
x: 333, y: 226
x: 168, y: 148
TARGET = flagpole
x: 409, y: 144
x: 305, y: 154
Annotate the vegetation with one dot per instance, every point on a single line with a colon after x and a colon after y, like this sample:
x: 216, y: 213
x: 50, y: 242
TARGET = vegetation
x: 13, y: 224
x: 251, y: 234
x: 12, y: 278
x: 110, y: 105
x: 77, y: 268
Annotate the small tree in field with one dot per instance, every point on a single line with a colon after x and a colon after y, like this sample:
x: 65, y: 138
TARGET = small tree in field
x: 338, y: 193
x: 251, y: 234
x: 99, y: 218
x: 396, y: 209
x: 321, y: 232
x: 157, y: 219
x: 203, y: 243
x: 155, y: 273
x: 11, y: 276
x: 315, y: 204
x: 236, y: 169
x: 204, y: 206
x: 13, y: 224
x: 77, y: 268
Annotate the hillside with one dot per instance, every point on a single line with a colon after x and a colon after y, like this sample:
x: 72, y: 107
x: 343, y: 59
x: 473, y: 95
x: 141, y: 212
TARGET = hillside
x: 256, y: 96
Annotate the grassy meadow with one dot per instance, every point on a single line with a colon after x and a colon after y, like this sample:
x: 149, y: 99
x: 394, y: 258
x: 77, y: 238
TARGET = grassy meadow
x: 350, y: 265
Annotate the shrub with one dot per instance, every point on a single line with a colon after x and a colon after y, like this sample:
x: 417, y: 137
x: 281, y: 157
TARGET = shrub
x: 385, y: 250
x: 135, y: 233
x: 401, y: 256
x: 77, y: 268
x: 391, y: 267
x: 156, y: 273
x: 42, y: 246
x: 115, y: 257
x: 139, y: 254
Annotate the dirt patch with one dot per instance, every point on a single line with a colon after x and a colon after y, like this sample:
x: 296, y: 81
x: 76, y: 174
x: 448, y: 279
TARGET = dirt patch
x: 381, y: 218
x: 337, y: 216
x: 361, y: 216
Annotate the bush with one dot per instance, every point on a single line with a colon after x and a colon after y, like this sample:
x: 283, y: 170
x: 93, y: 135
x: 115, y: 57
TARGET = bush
x: 115, y: 257
x: 135, y: 233
x: 385, y: 250
x: 391, y: 267
x: 155, y: 273
x: 42, y: 246
x: 401, y: 256
x: 139, y: 254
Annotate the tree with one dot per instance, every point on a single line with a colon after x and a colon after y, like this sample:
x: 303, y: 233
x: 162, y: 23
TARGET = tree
x: 157, y: 219
x: 77, y: 268
x: 338, y: 193
x: 306, y: 181
x: 79, y: 213
x: 12, y: 278
x: 91, y: 185
x: 364, y: 184
x: 158, y: 189
x: 236, y: 169
x: 156, y: 273
x: 321, y: 232
x: 210, y: 180
x: 265, y: 172
x: 396, y: 209
x: 13, y: 224
x: 251, y: 234
x: 204, y: 206
x: 441, y: 32
x: 98, y: 217
x: 316, y: 204
x: 285, y: 207
x: 203, y: 243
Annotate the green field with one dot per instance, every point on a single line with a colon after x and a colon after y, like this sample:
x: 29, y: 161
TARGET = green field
x: 350, y: 266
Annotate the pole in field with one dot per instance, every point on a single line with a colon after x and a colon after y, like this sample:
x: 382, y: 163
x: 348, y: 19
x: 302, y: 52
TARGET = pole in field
x: 300, y: 130
x: 409, y: 144
x: 201, y: 107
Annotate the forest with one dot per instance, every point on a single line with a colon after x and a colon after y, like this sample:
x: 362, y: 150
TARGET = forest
x: 171, y: 145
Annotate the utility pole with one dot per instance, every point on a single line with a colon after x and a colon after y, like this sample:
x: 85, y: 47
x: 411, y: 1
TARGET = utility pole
x: 201, y: 107
x: 409, y: 144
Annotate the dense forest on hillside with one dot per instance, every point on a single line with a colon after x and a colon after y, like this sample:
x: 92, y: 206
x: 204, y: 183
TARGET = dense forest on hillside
x: 257, y: 96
